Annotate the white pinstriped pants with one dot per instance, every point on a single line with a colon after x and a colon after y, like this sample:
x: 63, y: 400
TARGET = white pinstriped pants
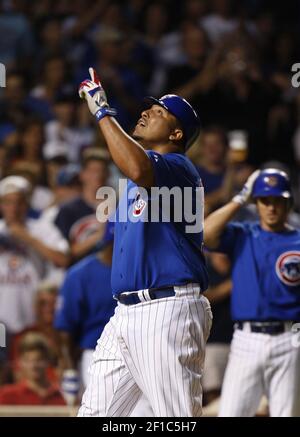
x: 155, y: 348
x: 262, y: 364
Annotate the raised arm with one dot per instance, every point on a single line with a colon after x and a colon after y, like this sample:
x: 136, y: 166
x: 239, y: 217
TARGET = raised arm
x: 216, y: 222
x: 128, y: 154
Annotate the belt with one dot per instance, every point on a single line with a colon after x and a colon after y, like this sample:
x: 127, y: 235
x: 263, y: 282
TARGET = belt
x: 135, y: 297
x: 271, y: 328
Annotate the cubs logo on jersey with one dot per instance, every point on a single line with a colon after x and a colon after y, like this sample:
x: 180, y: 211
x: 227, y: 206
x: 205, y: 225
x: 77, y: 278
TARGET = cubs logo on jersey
x: 139, y: 205
x: 84, y: 228
x: 288, y: 268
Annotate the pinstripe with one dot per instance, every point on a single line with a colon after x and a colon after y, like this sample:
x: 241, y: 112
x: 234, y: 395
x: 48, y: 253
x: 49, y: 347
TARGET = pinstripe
x: 161, y: 354
x: 150, y: 368
x: 198, y: 360
x: 92, y: 389
x: 169, y: 385
x: 98, y: 395
x: 135, y: 399
x: 186, y: 353
x: 129, y: 337
x: 199, y: 318
x: 175, y: 366
x: 196, y: 384
x: 122, y: 393
x: 105, y: 388
x: 190, y: 348
x: 284, y: 378
x: 122, y: 383
x: 140, y: 368
x: 131, y: 401
x: 153, y: 346
x: 146, y: 370
x: 243, y: 381
x: 154, y: 360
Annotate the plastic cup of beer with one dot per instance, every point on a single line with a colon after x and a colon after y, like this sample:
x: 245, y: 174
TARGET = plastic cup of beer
x: 238, y: 144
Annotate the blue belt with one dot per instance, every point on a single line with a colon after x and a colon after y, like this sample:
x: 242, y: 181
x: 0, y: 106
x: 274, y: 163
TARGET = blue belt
x: 133, y: 298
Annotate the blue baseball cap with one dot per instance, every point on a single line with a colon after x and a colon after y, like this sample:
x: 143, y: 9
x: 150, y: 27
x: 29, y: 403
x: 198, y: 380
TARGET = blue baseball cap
x: 272, y: 182
x: 183, y: 111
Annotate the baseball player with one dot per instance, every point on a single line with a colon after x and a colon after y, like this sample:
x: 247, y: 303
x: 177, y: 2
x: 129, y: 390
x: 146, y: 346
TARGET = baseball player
x: 265, y: 298
x: 154, y: 344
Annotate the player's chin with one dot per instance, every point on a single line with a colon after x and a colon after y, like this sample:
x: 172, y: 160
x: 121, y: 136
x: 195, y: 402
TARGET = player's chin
x: 273, y: 221
x: 136, y: 135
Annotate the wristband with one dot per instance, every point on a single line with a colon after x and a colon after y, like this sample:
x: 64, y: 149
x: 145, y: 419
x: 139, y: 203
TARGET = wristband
x: 103, y: 112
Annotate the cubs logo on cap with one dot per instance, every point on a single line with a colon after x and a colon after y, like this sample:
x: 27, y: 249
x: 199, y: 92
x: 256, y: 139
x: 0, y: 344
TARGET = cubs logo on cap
x: 288, y: 268
x: 272, y: 182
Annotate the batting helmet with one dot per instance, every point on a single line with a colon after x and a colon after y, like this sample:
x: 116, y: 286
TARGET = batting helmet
x: 272, y: 182
x: 183, y: 111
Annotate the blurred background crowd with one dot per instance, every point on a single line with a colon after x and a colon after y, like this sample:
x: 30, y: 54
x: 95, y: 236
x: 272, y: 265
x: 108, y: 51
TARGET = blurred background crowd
x: 231, y: 59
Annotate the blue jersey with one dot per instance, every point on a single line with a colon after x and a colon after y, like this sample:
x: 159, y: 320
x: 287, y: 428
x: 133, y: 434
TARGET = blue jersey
x: 151, y: 254
x: 265, y: 272
x: 85, y: 303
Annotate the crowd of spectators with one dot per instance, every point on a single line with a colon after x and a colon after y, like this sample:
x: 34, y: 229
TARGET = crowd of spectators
x: 231, y: 59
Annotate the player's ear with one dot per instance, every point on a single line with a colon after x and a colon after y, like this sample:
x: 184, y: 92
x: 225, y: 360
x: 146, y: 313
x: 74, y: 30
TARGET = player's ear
x: 176, y: 135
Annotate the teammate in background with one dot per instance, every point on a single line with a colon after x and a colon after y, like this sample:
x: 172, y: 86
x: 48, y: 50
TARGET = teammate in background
x: 85, y: 304
x: 154, y: 344
x: 265, y: 298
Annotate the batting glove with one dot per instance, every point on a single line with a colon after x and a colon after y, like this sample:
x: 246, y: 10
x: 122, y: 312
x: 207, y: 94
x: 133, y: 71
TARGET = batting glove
x: 94, y: 94
x: 244, y: 195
